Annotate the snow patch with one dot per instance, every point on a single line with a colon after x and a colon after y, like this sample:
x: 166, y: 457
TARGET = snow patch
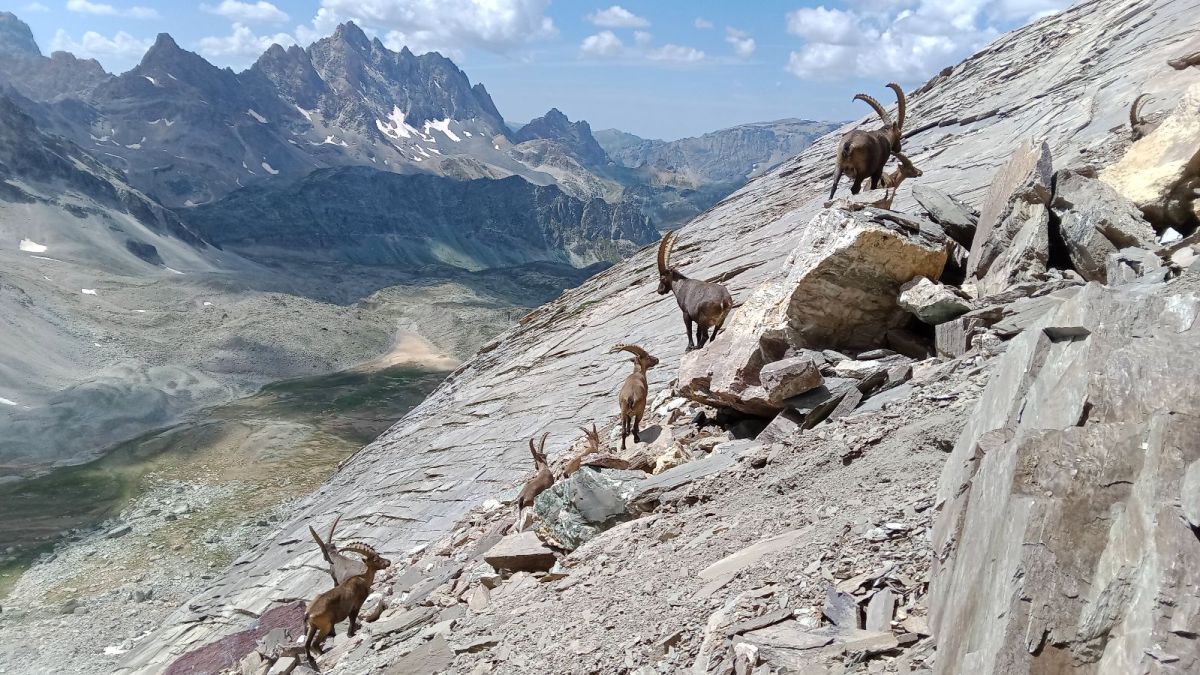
x: 207, y: 303
x: 495, y: 146
x: 151, y: 80
x: 172, y: 270
x: 258, y: 118
x: 442, y: 126
x: 466, y: 133
x: 396, y: 127
x: 31, y: 246
x: 307, y: 113
x: 172, y: 76
x: 138, y: 145
x: 330, y: 140
x: 5, y: 401
x: 89, y: 291
x: 113, y: 650
x: 161, y: 120
x: 422, y: 151
x: 269, y: 169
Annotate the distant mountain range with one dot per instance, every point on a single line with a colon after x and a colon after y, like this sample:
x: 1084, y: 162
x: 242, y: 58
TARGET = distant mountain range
x: 189, y: 133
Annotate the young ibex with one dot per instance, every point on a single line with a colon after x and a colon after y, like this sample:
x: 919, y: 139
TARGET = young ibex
x: 341, y: 567
x: 634, y: 391
x: 863, y: 154
x: 342, y: 601
x: 1139, y: 127
x: 541, y: 480
x: 892, y: 181
x: 592, y: 456
x: 703, y: 302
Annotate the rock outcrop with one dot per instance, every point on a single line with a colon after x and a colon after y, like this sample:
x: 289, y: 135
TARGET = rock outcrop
x: 838, y: 288
x: 1095, y: 222
x: 1067, y: 511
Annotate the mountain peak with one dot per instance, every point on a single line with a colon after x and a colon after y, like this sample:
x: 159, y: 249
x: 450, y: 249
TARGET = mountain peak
x: 15, y: 37
x: 576, y: 136
x: 352, y: 35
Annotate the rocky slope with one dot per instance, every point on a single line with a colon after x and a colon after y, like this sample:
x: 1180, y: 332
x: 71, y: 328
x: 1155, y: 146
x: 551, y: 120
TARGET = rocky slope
x: 552, y: 373
x: 367, y: 217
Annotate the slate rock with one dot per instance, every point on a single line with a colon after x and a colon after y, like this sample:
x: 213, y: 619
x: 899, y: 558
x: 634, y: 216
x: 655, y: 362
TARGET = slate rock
x: 578, y: 508
x: 789, y: 377
x: 1012, y: 242
x: 932, y: 302
x: 1096, y: 221
x: 520, y: 552
x: 957, y: 219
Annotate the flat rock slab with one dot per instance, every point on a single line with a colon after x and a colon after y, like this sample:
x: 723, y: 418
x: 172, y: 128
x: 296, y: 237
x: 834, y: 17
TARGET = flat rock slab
x: 430, y: 657
x: 653, y: 487
x: 789, y: 377
x: 750, y: 555
x: 520, y: 552
x: 957, y: 219
x: 789, y: 645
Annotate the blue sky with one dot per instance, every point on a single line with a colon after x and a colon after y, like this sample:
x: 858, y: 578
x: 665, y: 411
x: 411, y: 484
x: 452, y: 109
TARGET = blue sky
x: 657, y: 68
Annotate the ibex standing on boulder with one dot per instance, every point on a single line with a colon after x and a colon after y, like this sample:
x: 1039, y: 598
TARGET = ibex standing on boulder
x: 1139, y: 128
x: 541, y: 480
x: 634, y: 391
x: 863, y: 154
x: 703, y: 302
x: 342, y: 601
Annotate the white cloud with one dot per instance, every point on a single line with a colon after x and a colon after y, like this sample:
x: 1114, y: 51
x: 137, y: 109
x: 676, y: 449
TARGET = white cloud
x: 675, y: 54
x: 323, y: 25
x: 604, y: 44
x: 240, y: 46
x: 122, y: 47
x: 448, y: 25
x: 36, y: 7
x: 247, y: 12
x: 902, y: 39
x: 743, y: 45
x: 642, y: 39
x: 103, y: 9
x: 617, y: 17
x: 702, y: 24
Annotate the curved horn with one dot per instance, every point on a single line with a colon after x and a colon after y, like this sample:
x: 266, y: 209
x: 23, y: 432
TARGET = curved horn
x: 664, y: 252
x: 593, y: 437
x: 329, y: 539
x: 883, y: 114
x: 1134, y: 113
x: 902, y: 159
x: 360, y: 548
x: 542, y: 446
x: 632, y: 349
x: 901, y: 103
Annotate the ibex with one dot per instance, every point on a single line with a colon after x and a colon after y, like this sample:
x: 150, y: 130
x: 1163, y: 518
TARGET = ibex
x: 340, y: 567
x: 342, y: 601
x: 892, y: 181
x: 703, y: 302
x: 1139, y: 127
x: 634, y: 391
x: 591, y: 455
x: 541, y: 480
x: 863, y: 154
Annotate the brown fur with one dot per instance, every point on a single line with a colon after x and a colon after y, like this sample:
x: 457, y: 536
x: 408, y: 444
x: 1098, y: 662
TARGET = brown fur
x: 542, y: 479
x: 341, y: 567
x: 591, y: 455
x: 341, y: 602
x: 863, y: 154
x: 702, y: 302
x: 634, y: 391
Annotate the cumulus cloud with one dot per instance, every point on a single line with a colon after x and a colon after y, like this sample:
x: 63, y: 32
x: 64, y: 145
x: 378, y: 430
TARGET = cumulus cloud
x: 103, y: 9
x: 702, y: 24
x: 604, y: 45
x: 248, y: 12
x: 743, y: 45
x: 670, y: 53
x: 446, y: 25
x: 240, y: 46
x: 617, y: 17
x: 642, y: 39
x: 121, y: 48
x: 36, y: 7
x: 901, y: 39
